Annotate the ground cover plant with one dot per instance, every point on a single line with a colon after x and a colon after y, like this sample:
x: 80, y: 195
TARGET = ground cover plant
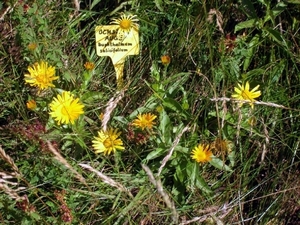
x: 203, y: 130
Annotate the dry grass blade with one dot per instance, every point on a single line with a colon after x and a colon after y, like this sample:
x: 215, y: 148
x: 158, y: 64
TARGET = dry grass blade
x: 271, y: 104
x: 10, y: 192
x: 7, y: 10
x: 219, y: 18
x: 107, y: 179
x: 62, y: 160
x: 8, y: 159
x: 210, y: 213
x: 5, y: 184
x: 168, y: 156
x: 157, y: 183
x: 77, y: 5
x: 111, y: 105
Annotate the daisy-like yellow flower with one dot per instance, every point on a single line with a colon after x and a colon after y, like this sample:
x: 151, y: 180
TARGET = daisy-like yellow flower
x: 89, y: 66
x: 41, y: 75
x: 144, y: 121
x: 101, y: 116
x: 32, y: 46
x: 108, y: 141
x: 31, y: 104
x: 126, y: 22
x: 165, y: 60
x: 242, y: 92
x: 65, y: 109
x: 221, y: 146
x: 202, y: 153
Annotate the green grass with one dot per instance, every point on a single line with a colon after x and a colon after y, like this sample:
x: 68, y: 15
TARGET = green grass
x: 256, y: 183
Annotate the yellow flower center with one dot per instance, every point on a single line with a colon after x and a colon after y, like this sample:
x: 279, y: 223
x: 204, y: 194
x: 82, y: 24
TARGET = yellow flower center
x: 89, y: 65
x: 245, y: 95
x: 65, y: 111
x: 43, y: 78
x: 108, y: 143
x: 165, y: 59
x: 31, y: 104
x: 125, y: 24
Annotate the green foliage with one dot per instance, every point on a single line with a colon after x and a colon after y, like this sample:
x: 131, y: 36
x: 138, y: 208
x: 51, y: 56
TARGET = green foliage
x: 213, y: 46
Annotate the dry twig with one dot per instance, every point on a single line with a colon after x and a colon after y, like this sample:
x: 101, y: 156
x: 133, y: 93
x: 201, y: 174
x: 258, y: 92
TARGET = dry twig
x: 107, y: 179
x: 168, y: 156
x: 157, y: 183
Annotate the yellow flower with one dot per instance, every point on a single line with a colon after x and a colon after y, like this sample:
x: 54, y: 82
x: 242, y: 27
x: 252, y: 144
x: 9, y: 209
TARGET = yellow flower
x: 165, y: 60
x: 32, y: 46
x: 159, y: 109
x: 108, y: 141
x: 202, y: 153
x: 243, y: 93
x: 31, y: 104
x: 221, y: 146
x: 65, y: 109
x: 101, y: 116
x: 252, y: 121
x: 89, y: 65
x: 126, y: 23
x: 144, y: 121
x: 41, y: 75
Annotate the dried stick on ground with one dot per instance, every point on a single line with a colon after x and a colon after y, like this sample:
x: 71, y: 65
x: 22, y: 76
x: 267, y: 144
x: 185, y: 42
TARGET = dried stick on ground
x: 157, y: 183
x: 8, y: 159
x: 77, y: 5
x: 7, y: 10
x: 63, y: 161
x: 6, y: 183
x: 111, y: 105
x: 107, y: 179
x: 170, y: 152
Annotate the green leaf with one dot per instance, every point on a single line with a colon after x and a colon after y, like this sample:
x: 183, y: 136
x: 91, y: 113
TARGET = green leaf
x: 94, y: 3
x: 175, y: 106
x: 218, y: 163
x: 80, y: 141
x: 254, y: 73
x: 294, y: 1
x: 231, y: 157
x: 150, y: 105
x: 165, y: 127
x: 35, y: 216
x: 246, y: 24
x: 250, y: 51
x: 277, y: 70
x: 155, y: 154
x: 195, y: 178
x: 181, y: 149
x: 277, y: 10
x: 68, y: 76
x: 176, y: 82
x: 179, y: 174
x: 158, y: 4
x: 92, y: 96
x: 155, y: 72
x: 248, y: 8
x: 87, y: 76
x: 265, y: 3
x: 192, y: 170
x: 200, y: 183
x: 121, y: 119
x: 275, y: 35
x: 51, y: 205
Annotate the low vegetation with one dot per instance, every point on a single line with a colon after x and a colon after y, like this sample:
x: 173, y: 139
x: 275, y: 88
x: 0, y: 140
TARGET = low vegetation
x: 202, y: 128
